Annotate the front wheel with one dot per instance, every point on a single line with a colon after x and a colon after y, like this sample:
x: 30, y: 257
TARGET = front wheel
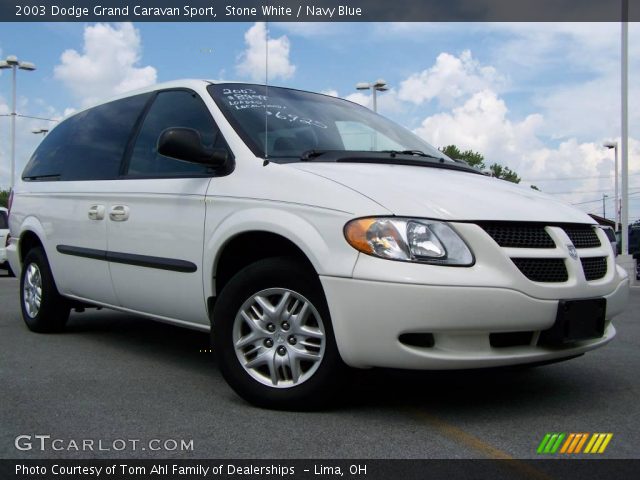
x: 44, y: 310
x: 273, y: 337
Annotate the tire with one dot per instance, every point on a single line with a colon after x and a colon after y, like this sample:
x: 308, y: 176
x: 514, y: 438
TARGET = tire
x: 44, y: 310
x: 288, y: 358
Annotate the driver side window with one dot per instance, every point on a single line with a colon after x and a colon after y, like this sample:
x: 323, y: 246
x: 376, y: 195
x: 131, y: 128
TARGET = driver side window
x: 173, y: 108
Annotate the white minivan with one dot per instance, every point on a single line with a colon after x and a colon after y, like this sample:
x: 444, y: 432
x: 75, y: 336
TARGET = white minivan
x: 308, y: 234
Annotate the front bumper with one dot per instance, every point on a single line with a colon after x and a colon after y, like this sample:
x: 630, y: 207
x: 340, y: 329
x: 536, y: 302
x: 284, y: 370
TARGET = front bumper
x: 368, y: 318
x: 460, y: 308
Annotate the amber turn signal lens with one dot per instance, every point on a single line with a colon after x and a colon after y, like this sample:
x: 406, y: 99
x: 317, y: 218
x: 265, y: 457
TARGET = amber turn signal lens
x: 356, y: 234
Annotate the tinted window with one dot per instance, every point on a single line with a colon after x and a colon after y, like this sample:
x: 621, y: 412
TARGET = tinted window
x: 4, y: 224
x: 610, y: 235
x: 175, y: 108
x: 89, y: 145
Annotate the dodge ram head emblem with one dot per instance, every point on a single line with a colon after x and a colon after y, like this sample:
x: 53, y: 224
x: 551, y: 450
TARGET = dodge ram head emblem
x: 573, y: 253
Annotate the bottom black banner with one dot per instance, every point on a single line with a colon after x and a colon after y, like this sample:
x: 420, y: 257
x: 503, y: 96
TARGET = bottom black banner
x: 579, y: 469
x: 326, y: 469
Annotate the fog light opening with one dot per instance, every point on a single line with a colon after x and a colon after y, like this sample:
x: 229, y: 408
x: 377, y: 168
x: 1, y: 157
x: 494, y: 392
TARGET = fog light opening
x: 419, y: 340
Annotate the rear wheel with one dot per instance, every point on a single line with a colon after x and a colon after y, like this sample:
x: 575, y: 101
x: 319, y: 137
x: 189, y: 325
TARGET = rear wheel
x: 273, y: 337
x: 44, y: 310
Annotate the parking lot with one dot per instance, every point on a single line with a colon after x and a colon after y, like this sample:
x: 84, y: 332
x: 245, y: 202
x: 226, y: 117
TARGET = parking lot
x: 115, y: 376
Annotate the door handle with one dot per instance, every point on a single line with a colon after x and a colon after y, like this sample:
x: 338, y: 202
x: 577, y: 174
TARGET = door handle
x: 119, y: 213
x: 96, y: 212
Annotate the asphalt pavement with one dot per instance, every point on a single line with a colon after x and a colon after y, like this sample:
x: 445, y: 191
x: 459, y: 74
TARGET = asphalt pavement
x: 113, y: 376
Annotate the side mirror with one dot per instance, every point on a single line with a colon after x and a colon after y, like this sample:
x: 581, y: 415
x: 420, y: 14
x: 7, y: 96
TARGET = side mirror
x: 186, y: 144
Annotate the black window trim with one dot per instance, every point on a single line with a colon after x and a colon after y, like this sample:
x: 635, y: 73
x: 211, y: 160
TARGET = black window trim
x: 128, y: 152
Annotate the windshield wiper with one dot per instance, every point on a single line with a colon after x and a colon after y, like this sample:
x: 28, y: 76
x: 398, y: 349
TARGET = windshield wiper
x: 309, y: 154
x: 418, y: 153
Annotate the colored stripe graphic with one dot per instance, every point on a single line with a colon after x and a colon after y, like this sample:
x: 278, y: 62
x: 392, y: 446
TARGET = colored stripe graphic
x: 604, y: 445
x: 550, y: 443
x: 573, y: 443
x: 598, y: 443
x: 568, y: 442
x: 576, y: 443
x: 582, y: 440
x: 592, y: 440
x: 543, y: 443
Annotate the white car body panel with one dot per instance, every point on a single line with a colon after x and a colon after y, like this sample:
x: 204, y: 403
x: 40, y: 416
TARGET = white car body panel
x: 446, y: 194
x: 61, y: 218
x: 372, y: 301
x: 163, y: 213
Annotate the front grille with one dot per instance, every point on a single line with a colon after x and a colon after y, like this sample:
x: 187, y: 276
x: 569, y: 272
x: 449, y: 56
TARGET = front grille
x: 594, y: 267
x: 534, y: 235
x: 518, y: 235
x: 582, y: 236
x: 552, y: 270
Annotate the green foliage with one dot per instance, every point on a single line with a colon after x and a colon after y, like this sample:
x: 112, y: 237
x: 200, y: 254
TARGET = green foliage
x: 474, y: 159
x: 505, y: 173
x: 4, y: 198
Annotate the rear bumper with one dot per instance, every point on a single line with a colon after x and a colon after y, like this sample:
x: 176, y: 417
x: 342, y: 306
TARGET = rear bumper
x: 369, y: 316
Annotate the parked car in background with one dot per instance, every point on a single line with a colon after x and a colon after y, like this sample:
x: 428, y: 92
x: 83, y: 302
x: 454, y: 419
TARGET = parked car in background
x: 4, y: 233
x: 308, y: 234
x: 611, y: 235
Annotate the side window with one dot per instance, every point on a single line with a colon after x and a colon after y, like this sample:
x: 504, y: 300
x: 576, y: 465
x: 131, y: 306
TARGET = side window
x: 174, y: 108
x: 89, y: 145
x: 4, y: 222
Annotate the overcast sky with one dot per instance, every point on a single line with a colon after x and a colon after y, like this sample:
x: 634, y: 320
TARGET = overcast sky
x: 540, y: 98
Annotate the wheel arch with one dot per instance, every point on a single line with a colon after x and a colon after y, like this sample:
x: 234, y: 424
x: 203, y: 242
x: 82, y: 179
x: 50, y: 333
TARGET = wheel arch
x: 32, y: 235
x: 254, y: 234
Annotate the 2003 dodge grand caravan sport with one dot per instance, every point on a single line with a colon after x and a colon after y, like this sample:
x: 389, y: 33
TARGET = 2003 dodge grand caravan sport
x: 309, y: 234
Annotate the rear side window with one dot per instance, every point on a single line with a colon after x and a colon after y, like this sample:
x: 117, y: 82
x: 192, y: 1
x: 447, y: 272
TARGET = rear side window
x: 89, y: 145
x: 172, y: 108
x: 4, y: 223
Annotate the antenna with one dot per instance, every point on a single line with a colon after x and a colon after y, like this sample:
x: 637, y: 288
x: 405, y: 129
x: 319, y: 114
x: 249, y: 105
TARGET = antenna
x: 266, y: 94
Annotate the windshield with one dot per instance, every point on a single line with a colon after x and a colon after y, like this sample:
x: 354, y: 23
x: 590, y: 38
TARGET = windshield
x: 297, y: 122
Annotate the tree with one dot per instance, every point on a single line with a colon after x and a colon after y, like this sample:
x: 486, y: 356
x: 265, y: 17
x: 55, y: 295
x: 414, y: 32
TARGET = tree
x: 4, y: 198
x: 476, y: 159
x: 505, y: 173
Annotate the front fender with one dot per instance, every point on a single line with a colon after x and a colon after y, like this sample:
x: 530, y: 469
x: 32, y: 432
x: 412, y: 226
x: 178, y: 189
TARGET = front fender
x: 317, y: 232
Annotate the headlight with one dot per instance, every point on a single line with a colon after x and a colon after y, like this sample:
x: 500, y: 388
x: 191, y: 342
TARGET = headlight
x: 409, y: 240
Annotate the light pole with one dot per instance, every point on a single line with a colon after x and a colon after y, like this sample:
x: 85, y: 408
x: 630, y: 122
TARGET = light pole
x: 378, y: 86
x: 604, y: 209
x: 14, y: 64
x: 614, y: 145
x: 624, y: 150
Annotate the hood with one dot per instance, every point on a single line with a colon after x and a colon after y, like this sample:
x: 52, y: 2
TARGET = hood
x: 445, y: 194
